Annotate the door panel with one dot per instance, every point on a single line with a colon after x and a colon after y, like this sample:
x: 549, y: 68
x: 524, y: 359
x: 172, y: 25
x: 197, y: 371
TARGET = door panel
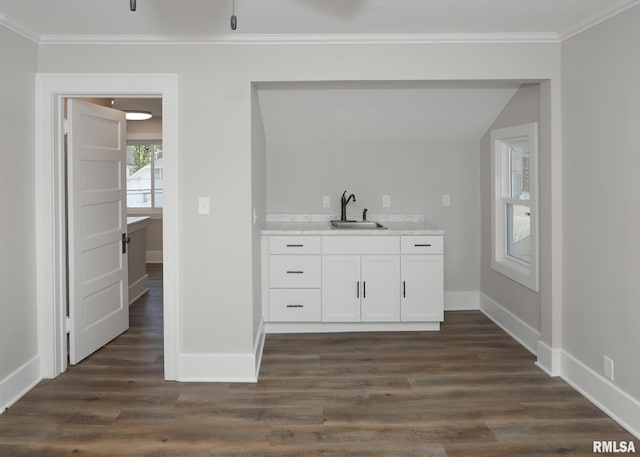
x: 381, y: 288
x: 341, y: 288
x: 422, y: 283
x: 96, y: 211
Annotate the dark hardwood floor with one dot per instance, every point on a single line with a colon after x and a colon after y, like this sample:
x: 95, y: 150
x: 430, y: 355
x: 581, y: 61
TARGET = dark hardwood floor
x: 468, y: 390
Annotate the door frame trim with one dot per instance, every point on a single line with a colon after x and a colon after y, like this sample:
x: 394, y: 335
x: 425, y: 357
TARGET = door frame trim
x: 51, y: 275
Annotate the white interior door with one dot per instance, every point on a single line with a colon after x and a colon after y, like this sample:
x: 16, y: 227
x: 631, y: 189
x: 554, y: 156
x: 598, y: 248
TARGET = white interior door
x: 97, y: 228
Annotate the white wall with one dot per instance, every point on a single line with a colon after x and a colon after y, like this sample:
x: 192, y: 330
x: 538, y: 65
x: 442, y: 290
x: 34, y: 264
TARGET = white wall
x: 414, y: 173
x: 601, y: 119
x: 258, y: 198
x: 18, y: 338
x: 524, y: 303
x: 217, y: 265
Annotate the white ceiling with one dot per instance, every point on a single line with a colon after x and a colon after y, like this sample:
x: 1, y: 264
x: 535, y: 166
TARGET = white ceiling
x: 381, y: 111
x: 181, y: 19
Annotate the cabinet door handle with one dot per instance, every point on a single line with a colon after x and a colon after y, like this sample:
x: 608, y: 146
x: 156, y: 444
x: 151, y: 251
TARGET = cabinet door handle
x: 422, y: 245
x: 295, y: 306
x: 357, y: 289
x: 404, y: 289
x: 364, y: 289
x: 295, y: 245
x: 295, y: 272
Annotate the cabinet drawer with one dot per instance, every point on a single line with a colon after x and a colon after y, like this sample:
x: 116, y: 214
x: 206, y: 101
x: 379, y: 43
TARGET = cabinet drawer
x: 291, y: 271
x: 359, y: 245
x: 294, y: 305
x: 294, y: 245
x: 422, y: 244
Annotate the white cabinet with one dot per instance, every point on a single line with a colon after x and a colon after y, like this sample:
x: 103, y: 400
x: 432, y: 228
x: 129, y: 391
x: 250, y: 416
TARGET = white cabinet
x: 422, y: 266
x: 422, y: 294
x: 294, y: 305
x: 349, y: 283
x: 294, y: 271
x: 380, y: 300
x: 361, y: 288
x: 293, y: 277
x: 341, y: 288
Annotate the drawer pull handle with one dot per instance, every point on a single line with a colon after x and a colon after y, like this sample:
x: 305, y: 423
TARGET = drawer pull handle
x: 295, y: 306
x: 357, y: 289
x: 364, y: 289
x: 295, y: 245
x: 422, y: 245
x: 404, y: 289
x: 295, y: 272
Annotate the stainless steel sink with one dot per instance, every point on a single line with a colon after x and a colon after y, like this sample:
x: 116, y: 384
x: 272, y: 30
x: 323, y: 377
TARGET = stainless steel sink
x: 367, y: 225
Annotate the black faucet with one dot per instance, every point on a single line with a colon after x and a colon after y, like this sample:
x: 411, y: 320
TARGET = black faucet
x: 344, y: 202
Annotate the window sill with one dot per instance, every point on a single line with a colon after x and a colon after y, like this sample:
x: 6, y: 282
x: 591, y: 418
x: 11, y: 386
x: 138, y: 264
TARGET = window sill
x: 518, y: 272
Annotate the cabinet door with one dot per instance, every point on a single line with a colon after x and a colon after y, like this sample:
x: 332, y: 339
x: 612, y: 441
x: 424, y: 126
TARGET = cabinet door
x: 380, y: 288
x: 422, y: 288
x: 341, y: 288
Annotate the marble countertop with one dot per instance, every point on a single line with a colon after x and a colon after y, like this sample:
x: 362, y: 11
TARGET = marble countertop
x: 320, y: 225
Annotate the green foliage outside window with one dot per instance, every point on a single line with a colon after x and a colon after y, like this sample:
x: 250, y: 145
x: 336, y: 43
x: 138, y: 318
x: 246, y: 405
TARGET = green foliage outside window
x: 141, y: 157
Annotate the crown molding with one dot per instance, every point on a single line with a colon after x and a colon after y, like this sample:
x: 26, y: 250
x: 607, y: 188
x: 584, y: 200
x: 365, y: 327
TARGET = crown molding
x: 24, y: 32
x: 304, y: 39
x: 598, y: 18
x: 320, y: 39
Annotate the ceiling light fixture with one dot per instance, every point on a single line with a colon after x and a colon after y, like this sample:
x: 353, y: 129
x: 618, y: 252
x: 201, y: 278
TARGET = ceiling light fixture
x: 138, y: 115
x: 234, y: 19
x: 132, y: 4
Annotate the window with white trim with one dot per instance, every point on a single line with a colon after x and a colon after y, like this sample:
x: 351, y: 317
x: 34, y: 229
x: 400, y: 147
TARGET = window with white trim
x: 514, y: 203
x: 144, y: 174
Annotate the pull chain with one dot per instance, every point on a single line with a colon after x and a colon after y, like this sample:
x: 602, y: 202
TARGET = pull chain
x: 234, y: 19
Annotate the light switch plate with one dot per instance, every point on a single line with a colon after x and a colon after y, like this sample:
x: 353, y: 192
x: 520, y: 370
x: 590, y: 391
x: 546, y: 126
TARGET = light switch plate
x: 446, y: 200
x: 203, y: 205
x: 386, y: 201
x: 326, y: 201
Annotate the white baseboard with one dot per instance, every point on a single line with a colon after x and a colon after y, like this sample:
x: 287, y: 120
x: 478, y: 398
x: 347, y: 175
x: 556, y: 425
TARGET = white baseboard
x: 258, y: 347
x: 549, y: 359
x: 18, y: 383
x: 340, y: 327
x: 224, y: 367
x: 462, y: 300
x: 612, y: 400
x: 522, y: 332
x: 138, y: 288
x: 217, y: 368
x: 153, y: 256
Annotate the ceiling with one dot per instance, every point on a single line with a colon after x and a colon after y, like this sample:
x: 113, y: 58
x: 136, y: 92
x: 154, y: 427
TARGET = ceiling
x: 381, y: 111
x: 47, y: 20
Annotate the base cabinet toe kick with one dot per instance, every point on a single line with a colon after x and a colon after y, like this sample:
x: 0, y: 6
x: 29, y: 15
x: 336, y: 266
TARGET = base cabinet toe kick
x: 352, y: 283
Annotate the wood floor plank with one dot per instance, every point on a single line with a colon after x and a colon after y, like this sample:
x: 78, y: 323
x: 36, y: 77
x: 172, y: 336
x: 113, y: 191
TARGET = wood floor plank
x: 467, y: 391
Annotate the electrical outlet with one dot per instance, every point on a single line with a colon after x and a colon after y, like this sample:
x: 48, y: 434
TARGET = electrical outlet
x: 386, y: 201
x: 608, y: 367
x: 446, y: 200
x: 203, y: 205
x: 326, y: 201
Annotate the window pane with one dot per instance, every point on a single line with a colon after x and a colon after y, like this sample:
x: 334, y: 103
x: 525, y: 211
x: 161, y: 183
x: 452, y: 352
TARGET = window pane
x: 519, y: 171
x: 139, y: 176
x: 519, y: 232
x: 158, y: 174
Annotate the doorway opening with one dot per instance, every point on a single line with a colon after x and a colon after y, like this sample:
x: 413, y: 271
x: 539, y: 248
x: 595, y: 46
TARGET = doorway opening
x: 118, y: 180
x: 51, y: 91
